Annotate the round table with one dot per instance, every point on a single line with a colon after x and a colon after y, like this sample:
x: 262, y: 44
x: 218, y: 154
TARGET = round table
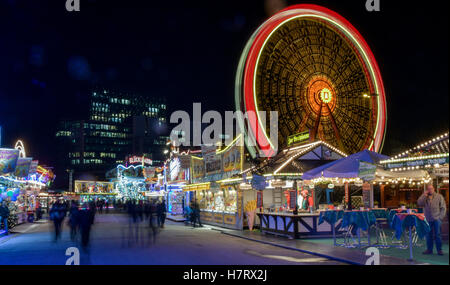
x: 359, y: 220
x: 380, y: 213
x: 331, y: 217
x: 403, y: 221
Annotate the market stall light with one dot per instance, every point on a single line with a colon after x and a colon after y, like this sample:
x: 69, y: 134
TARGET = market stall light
x: 415, y: 158
x: 422, y: 145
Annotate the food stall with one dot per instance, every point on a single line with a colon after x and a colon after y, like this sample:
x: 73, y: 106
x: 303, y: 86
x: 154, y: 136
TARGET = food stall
x: 285, y: 205
x: 214, y: 185
x: 93, y: 190
x: 177, y: 172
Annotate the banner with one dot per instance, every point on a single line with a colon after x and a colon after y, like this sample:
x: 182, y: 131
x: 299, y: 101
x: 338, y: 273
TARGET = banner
x: 366, y: 171
x: 33, y: 167
x: 232, y: 159
x: 299, y: 138
x: 185, y: 161
x: 23, y: 167
x: 208, y: 152
x: 197, y: 169
x: 8, y: 160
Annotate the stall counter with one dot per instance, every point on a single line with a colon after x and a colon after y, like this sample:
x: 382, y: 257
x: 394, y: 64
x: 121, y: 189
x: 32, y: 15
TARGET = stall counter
x: 302, y: 225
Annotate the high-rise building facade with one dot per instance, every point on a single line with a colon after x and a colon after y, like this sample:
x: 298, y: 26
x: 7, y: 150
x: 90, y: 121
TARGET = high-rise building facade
x: 119, y: 124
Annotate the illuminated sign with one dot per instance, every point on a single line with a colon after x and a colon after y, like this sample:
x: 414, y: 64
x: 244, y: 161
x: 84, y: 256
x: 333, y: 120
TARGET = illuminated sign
x: 8, y: 160
x: 139, y: 159
x: 325, y: 95
x: 298, y: 138
x: 418, y: 162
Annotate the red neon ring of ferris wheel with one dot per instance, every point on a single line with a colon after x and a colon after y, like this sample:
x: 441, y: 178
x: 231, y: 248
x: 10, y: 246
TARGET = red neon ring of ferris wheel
x: 309, y: 10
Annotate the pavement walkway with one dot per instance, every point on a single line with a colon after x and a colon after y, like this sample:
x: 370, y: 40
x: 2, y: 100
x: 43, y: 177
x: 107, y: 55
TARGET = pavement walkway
x: 114, y: 242
x: 325, y: 248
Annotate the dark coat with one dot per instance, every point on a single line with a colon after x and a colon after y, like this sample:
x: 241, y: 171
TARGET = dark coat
x: 4, y: 211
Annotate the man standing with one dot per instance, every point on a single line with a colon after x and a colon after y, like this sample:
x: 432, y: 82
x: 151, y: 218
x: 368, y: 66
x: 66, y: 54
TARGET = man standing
x: 434, y: 208
x: 4, y: 214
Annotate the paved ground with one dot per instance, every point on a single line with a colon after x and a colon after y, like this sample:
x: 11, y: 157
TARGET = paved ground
x: 112, y: 242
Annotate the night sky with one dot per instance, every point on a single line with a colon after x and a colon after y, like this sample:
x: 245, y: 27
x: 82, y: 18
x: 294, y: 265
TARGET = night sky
x: 188, y: 51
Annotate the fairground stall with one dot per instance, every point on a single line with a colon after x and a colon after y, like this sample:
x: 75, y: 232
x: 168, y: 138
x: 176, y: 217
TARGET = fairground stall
x: 177, y: 175
x: 220, y: 200
x: 137, y: 179
x: 432, y: 157
x: 285, y: 206
x: 429, y: 162
x: 93, y: 190
x: 21, y: 180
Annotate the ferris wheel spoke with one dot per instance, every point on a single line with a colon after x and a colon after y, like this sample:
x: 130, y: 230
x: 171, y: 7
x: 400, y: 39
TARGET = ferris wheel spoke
x: 316, y: 124
x: 335, y: 128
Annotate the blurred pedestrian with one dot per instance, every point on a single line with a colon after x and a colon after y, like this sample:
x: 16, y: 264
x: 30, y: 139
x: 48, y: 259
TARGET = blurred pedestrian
x: 196, y: 211
x: 57, y: 215
x: 73, y: 220
x: 85, y: 221
x: 140, y: 211
x: 4, y: 214
x: 188, y: 215
x: 152, y: 213
x: 161, y: 211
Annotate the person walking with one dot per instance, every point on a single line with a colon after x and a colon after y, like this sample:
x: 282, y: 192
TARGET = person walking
x: 57, y: 215
x: 85, y: 221
x: 152, y: 215
x: 4, y: 214
x: 73, y: 220
x: 188, y: 215
x: 161, y: 213
x: 197, y: 214
x: 435, y: 211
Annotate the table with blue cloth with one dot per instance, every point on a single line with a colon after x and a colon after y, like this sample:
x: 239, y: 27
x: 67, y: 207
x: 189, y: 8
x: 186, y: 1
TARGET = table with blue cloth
x: 392, y: 213
x: 359, y: 220
x: 403, y: 221
x: 331, y: 217
x: 380, y: 213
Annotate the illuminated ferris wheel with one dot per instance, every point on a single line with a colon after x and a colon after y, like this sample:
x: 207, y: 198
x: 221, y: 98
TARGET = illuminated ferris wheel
x: 314, y: 68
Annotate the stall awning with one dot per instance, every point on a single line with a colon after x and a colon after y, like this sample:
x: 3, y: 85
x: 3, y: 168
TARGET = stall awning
x: 347, y: 167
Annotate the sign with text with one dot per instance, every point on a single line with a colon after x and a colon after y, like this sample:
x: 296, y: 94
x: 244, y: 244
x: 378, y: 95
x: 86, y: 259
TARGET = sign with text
x: 23, y: 167
x: 441, y: 172
x: 366, y: 171
x: 33, y: 167
x: 139, y: 159
x: 298, y: 138
x: 8, y: 160
x: 419, y: 162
